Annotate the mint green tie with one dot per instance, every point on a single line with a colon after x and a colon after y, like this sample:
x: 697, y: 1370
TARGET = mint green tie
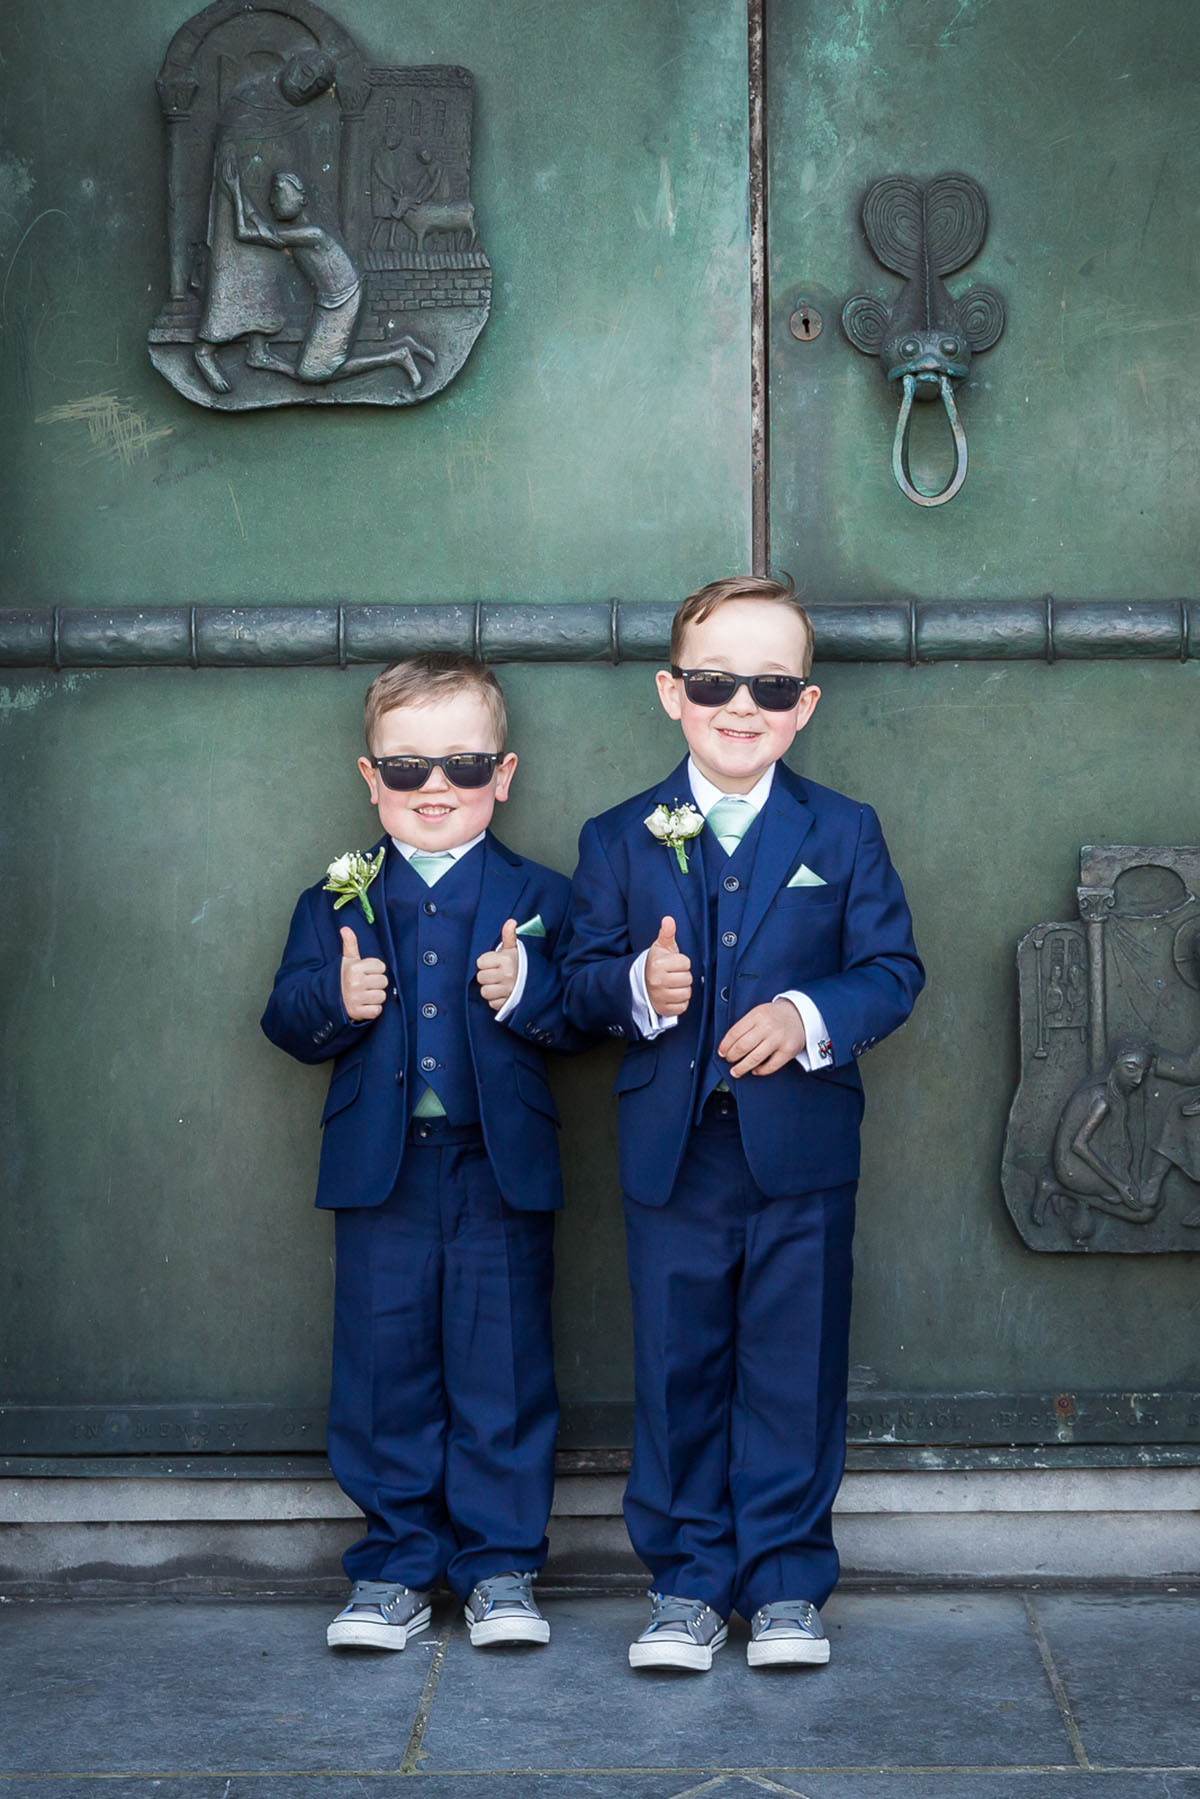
x: 431, y: 865
x: 730, y: 819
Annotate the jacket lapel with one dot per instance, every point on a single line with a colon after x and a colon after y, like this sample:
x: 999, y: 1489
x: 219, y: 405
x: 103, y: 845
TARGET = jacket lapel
x: 376, y: 939
x: 675, y: 791
x: 377, y: 893
x: 787, y: 820
x: 501, y: 887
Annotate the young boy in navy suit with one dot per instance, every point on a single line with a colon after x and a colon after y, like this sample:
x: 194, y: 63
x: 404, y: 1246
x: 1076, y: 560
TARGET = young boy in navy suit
x: 746, y: 931
x: 426, y: 971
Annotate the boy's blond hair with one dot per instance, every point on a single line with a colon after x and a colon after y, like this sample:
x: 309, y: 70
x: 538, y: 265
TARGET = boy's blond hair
x: 704, y: 602
x: 423, y: 680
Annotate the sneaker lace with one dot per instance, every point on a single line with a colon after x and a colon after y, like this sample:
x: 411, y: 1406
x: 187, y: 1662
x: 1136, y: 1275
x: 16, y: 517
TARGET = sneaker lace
x: 375, y: 1592
x: 666, y: 1608
x: 790, y: 1611
x: 506, y: 1589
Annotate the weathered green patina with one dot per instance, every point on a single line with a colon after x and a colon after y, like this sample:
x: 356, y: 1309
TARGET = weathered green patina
x: 160, y: 817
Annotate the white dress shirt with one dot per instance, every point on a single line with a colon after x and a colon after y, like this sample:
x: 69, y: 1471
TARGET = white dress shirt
x: 650, y: 1024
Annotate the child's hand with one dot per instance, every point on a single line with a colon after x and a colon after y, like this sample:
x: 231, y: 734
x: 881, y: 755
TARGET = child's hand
x: 364, y: 981
x: 497, y: 971
x: 668, y: 974
x: 765, y: 1040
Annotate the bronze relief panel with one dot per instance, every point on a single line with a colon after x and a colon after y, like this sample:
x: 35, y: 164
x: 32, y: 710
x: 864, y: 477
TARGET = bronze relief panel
x: 323, y: 243
x: 1102, y: 1151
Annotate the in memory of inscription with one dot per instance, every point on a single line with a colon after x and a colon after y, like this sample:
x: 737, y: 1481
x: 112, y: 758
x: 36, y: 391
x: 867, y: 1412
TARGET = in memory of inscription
x: 323, y: 245
x: 1102, y: 1151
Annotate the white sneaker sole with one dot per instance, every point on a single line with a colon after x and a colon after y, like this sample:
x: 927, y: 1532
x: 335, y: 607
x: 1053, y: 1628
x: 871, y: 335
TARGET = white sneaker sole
x: 363, y: 1633
x: 487, y: 1633
x: 792, y: 1652
x: 695, y: 1658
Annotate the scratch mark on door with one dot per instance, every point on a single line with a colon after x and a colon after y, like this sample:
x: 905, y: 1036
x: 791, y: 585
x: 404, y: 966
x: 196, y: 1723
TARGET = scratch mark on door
x: 1162, y: 169
x: 115, y: 429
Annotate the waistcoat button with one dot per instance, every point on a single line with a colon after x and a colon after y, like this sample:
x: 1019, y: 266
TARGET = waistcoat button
x: 731, y: 883
x: 729, y: 938
x: 428, y: 1064
x: 430, y: 958
x: 429, y: 908
x: 429, y: 1011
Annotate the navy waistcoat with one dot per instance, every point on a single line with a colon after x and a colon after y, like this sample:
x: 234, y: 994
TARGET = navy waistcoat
x: 431, y: 929
x: 726, y: 880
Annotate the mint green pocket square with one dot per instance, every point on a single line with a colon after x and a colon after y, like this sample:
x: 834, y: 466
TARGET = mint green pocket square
x: 804, y: 877
x: 533, y: 927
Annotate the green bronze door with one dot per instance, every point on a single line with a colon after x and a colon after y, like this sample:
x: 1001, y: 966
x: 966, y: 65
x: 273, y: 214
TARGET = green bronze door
x: 181, y: 586
x: 997, y: 729
x: 193, y: 603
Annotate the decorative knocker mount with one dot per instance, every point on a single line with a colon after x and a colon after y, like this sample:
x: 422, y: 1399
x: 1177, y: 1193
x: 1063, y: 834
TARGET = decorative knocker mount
x: 923, y: 231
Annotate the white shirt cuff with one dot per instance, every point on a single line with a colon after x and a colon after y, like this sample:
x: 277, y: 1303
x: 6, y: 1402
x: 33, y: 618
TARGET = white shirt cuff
x: 514, y: 999
x: 647, y: 1021
x: 818, y: 1050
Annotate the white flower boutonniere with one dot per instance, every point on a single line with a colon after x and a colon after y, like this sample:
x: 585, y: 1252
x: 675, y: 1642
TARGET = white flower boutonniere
x: 349, y: 876
x: 676, y: 826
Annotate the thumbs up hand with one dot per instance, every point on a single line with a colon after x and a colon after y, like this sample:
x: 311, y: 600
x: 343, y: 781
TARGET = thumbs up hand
x: 364, y: 981
x: 497, y: 971
x: 668, y: 974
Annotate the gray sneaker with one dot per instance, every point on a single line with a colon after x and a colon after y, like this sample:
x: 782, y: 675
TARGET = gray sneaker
x: 788, y: 1631
x: 502, y: 1609
x: 682, y: 1633
x: 379, y: 1615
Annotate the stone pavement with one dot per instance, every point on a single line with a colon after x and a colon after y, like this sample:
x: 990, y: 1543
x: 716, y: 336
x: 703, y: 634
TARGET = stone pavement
x: 952, y: 1694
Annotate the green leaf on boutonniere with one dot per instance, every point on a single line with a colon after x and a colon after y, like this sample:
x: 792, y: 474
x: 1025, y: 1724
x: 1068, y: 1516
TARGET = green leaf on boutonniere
x: 349, y: 876
x: 676, y: 826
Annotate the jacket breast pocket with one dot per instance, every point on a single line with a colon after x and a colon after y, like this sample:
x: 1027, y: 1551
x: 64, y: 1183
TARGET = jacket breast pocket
x: 534, y: 1089
x: 343, y: 1091
x: 817, y: 900
x: 637, y: 1069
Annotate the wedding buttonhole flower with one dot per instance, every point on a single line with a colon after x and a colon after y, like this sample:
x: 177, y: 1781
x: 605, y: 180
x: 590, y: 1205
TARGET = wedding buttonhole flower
x: 676, y: 826
x: 349, y: 876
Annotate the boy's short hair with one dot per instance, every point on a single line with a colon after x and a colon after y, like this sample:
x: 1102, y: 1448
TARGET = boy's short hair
x: 704, y: 602
x: 435, y: 675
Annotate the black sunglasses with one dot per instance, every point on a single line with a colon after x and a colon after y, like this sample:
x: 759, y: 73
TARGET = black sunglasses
x: 712, y: 687
x: 466, y: 768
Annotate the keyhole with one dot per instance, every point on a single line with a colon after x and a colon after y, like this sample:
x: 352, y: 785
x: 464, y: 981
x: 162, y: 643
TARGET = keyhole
x: 805, y: 323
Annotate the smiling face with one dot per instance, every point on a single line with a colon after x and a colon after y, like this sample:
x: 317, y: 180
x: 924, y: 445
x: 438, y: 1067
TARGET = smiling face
x: 734, y: 745
x: 437, y: 816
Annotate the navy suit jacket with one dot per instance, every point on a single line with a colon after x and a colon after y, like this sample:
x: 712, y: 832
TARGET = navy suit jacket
x: 847, y: 944
x: 366, y: 1115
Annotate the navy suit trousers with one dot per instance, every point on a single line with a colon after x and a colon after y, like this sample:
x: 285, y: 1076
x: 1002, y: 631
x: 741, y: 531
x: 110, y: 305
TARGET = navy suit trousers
x: 443, y: 1410
x: 741, y: 1338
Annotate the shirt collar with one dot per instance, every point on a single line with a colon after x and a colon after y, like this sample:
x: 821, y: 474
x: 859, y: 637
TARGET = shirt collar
x: 706, y: 795
x: 409, y: 850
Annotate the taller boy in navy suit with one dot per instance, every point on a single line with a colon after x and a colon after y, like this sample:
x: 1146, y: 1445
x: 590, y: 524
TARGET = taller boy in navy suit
x: 745, y: 930
x: 426, y: 972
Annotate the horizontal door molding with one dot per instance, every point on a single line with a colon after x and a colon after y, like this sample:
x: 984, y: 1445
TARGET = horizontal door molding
x: 285, y: 636
x: 978, y: 1420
